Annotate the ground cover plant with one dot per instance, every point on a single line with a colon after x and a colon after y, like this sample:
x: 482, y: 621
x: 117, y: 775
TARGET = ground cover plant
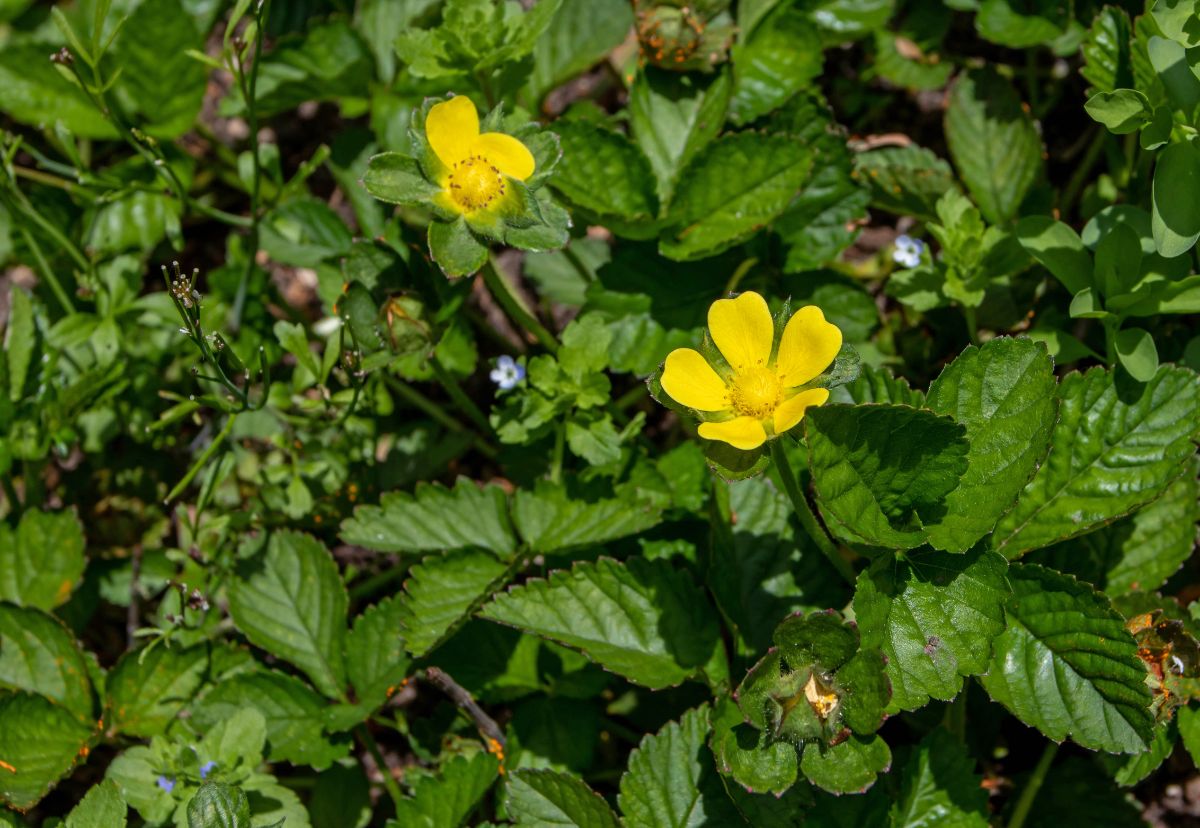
x: 599, y: 413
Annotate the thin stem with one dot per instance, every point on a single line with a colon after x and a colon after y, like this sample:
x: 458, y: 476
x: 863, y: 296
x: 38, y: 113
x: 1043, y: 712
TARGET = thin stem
x: 436, y: 412
x: 556, y: 462
x: 515, y: 308
x: 47, y: 272
x: 1032, y: 786
x: 807, y: 519
x: 1110, y: 342
x: 389, y: 782
x: 956, y: 714
x: 10, y: 494
x: 460, y: 398
x: 1082, y: 172
x: 203, y: 459
x: 972, y: 325
x: 484, y: 723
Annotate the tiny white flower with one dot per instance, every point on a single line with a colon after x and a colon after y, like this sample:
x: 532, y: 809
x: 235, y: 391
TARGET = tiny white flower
x: 907, y: 251
x: 507, y: 373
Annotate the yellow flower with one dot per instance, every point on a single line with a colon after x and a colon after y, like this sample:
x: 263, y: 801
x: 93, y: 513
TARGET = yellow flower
x: 759, y: 393
x: 475, y: 168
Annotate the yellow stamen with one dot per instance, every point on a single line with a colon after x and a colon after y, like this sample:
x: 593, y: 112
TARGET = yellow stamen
x: 755, y: 392
x: 474, y: 183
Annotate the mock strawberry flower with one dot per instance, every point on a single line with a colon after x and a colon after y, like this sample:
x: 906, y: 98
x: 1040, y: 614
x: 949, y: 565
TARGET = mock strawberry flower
x: 759, y: 390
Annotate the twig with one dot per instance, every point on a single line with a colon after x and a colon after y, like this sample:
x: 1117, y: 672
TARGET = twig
x: 458, y: 694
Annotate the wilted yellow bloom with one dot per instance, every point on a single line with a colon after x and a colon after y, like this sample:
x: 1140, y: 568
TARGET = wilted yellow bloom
x: 476, y: 167
x: 759, y: 393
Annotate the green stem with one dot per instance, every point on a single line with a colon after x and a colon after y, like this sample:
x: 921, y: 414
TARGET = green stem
x: 460, y: 398
x: 10, y: 494
x: 249, y: 87
x: 203, y: 459
x: 437, y: 413
x: 1032, y: 786
x: 367, y: 588
x: 1110, y: 342
x: 47, y: 272
x: 807, y: 519
x: 515, y: 308
x: 956, y: 714
x: 740, y: 274
x: 972, y: 325
x: 556, y: 462
x: 1082, y: 173
x: 389, y: 781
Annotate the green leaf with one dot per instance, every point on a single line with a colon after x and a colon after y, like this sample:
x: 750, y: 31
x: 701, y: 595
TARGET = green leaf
x: 445, y: 800
x: 641, y: 619
x: 673, y: 116
x: 549, y: 798
x: 40, y: 741
x: 939, y: 787
x: 934, y: 615
x: 1176, y: 216
x: 1067, y: 666
x: 101, y: 807
x: 291, y: 709
x: 993, y: 141
x: 907, y: 181
x: 1122, y: 111
x: 1106, y: 51
x: 1114, y: 450
x: 849, y: 766
x: 34, y: 92
x: 604, y: 173
x: 1157, y: 539
x: 1128, y: 771
x: 730, y: 189
x: 744, y: 752
x: 147, y: 688
x: 1019, y: 24
x: 434, y: 518
x: 397, y: 179
x: 876, y: 484
x: 671, y: 781
x: 291, y: 602
x: 1004, y: 393
x: 1170, y: 62
x: 305, y: 232
x: 1188, y: 719
x: 776, y: 60
x: 550, y: 521
x: 1178, y: 20
x: 376, y: 662
x: 442, y: 591
x: 42, y: 561
x: 454, y: 247
x: 20, y: 339
x: 217, y: 805
x: 328, y: 62
x: 294, y: 339
x: 878, y: 385
x: 579, y: 36
x: 39, y: 654
x: 1137, y: 352
x: 1077, y: 791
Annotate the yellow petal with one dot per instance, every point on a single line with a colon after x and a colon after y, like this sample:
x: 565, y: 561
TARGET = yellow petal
x: 691, y: 381
x: 792, y: 411
x: 741, y: 432
x: 505, y: 153
x: 743, y: 329
x: 451, y: 128
x: 808, y: 345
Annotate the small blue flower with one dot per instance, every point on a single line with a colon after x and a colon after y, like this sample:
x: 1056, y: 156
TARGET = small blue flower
x: 167, y: 784
x: 206, y: 767
x: 507, y: 373
x: 908, y: 251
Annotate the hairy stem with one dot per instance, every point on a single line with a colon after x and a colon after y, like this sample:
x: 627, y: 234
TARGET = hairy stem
x: 807, y: 519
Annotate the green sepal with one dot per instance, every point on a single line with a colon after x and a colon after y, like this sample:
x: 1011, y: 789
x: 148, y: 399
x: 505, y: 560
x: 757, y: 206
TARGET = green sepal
x: 455, y: 248
x: 398, y: 179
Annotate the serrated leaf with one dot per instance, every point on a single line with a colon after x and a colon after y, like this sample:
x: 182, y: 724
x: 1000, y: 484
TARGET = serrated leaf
x: 549, y: 798
x: 671, y: 781
x: 39, y: 654
x: 604, y: 173
x: 376, y: 662
x: 397, y: 179
x: 907, y: 181
x: 939, y: 787
x: 641, y: 619
x: 147, y: 688
x: 101, y: 807
x: 445, y: 800
x: 673, y: 116
x: 1067, y: 666
x: 434, y: 518
x: 291, y: 602
x: 934, y: 615
x: 993, y: 142
x: 580, y: 35
x: 733, y: 187
x: 1115, y: 449
x: 1157, y: 540
x: 455, y: 248
x: 1004, y: 393
x: 1129, y: 770
x: 41, y: 561
x: 774, y: 62
x: 290, y: 708
x: 875, y: 484
x: 551, y: 521
x: 850, y: 766
x: 40, y: 741
x: 217, y: 805
x: 442, y: 591
x: 878, y: 385
x: 1106, y: 53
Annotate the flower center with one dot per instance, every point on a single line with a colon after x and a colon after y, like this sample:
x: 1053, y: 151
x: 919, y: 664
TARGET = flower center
x: 755, y: 392
x: 475, y: 183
